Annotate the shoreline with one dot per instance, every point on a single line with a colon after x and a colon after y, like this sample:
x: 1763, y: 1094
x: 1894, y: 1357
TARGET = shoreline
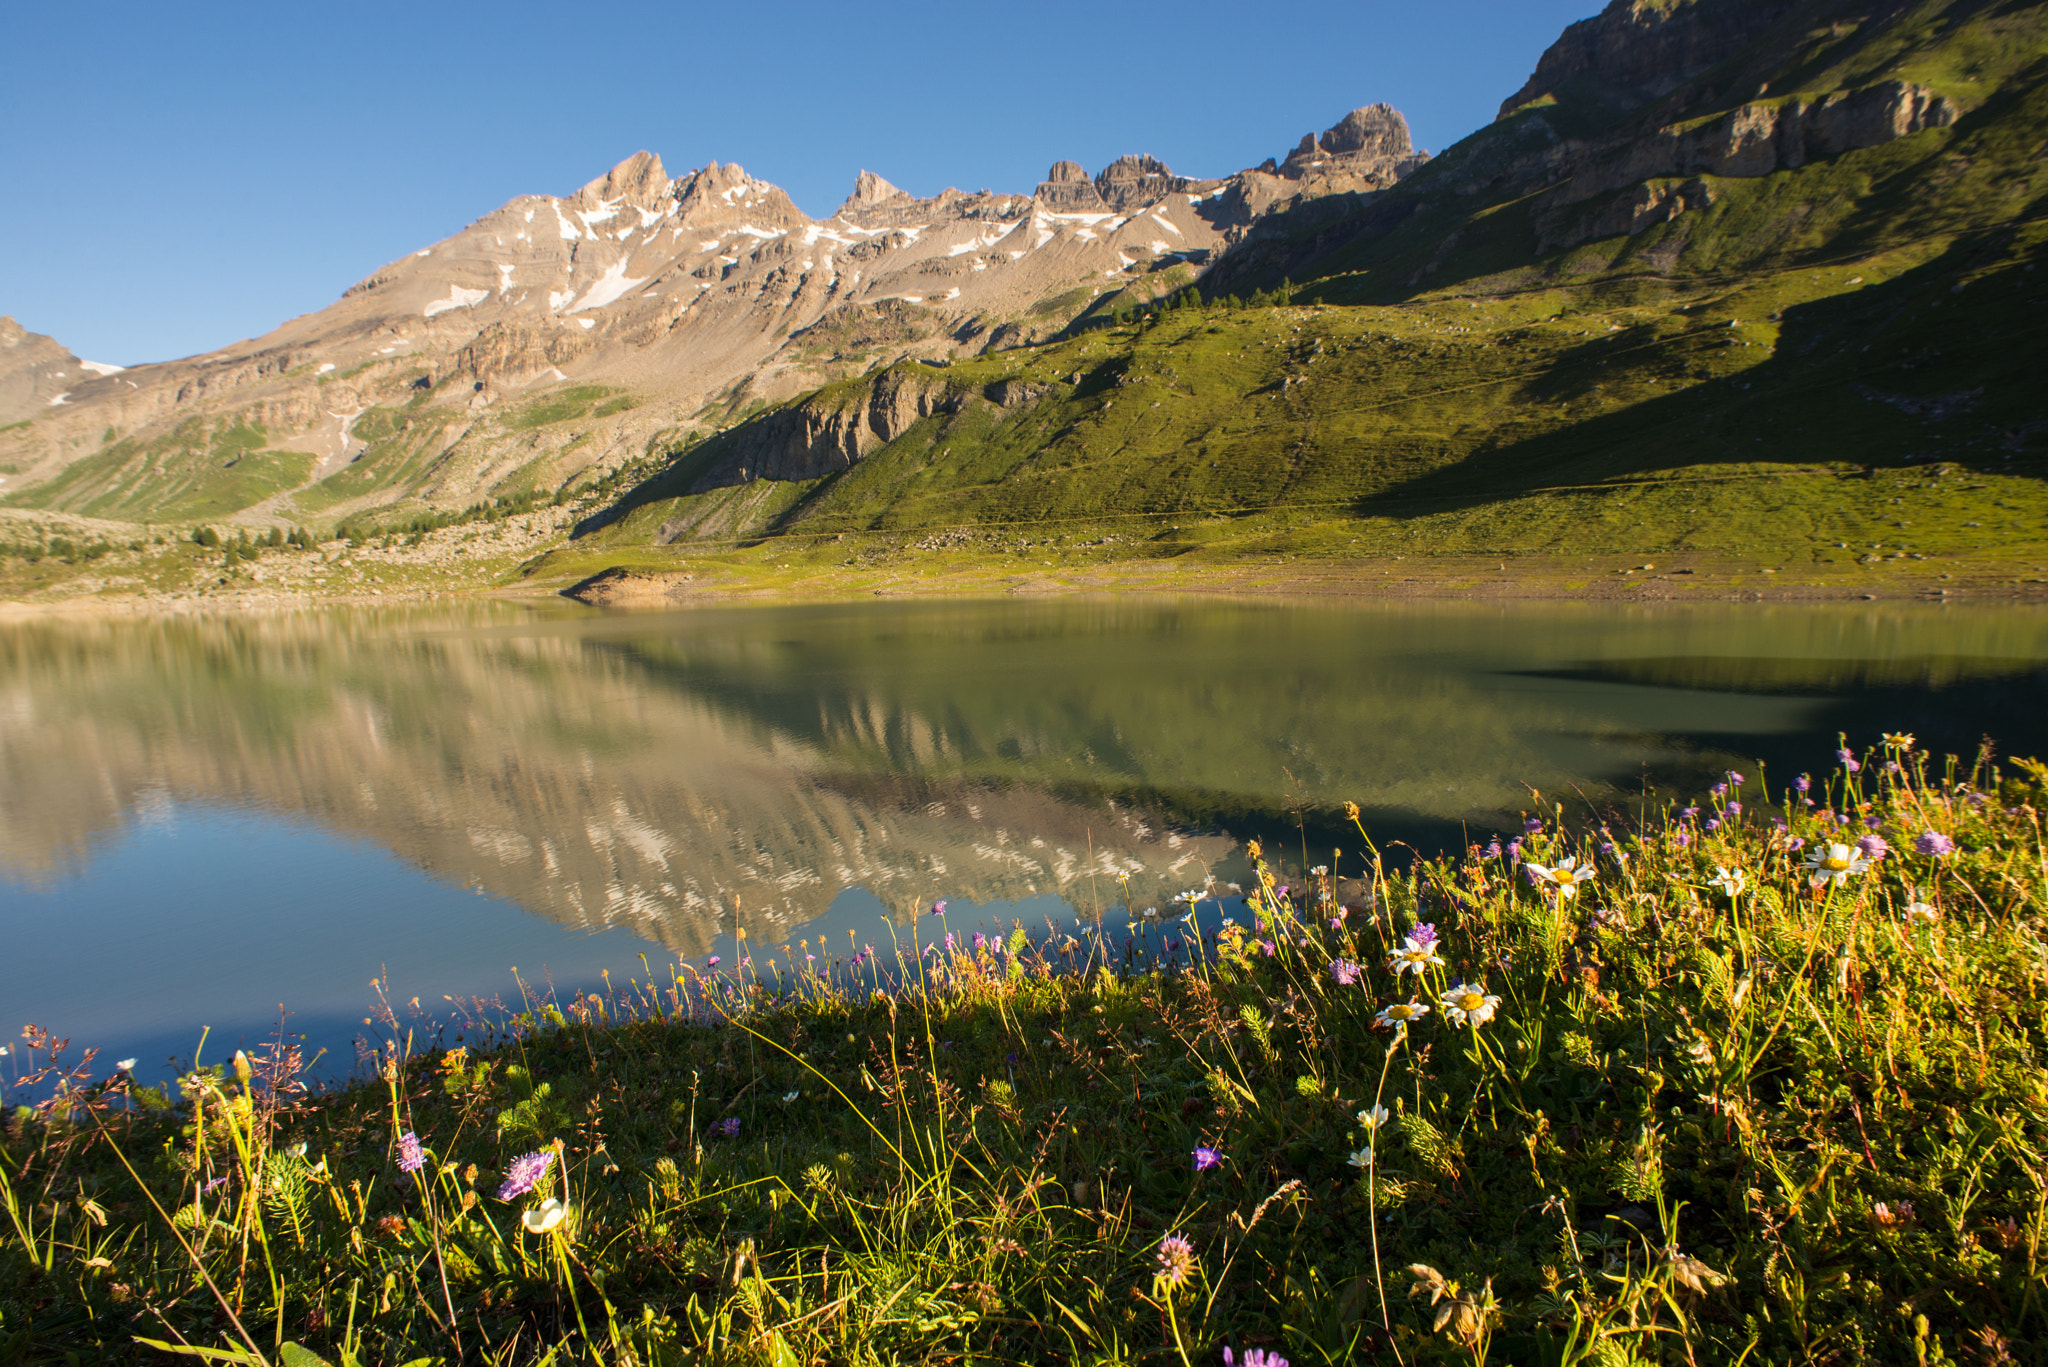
x: 1608, y: 579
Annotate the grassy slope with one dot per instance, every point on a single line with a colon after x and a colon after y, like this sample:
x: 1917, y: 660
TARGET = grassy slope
x: 1778, y: 1125
x: 196, y: 472
x: 1886, y: 313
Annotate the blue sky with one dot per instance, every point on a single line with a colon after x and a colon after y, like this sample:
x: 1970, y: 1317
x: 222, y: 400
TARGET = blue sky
x: 178, y: 177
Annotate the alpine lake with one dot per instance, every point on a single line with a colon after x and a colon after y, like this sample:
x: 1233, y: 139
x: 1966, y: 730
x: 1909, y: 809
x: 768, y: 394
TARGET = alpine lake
x: 334, y: 821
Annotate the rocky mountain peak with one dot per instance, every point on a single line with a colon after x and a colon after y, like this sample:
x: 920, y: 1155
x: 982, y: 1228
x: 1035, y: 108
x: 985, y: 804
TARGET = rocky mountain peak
x: 1131, y: 168
x: 1366, y: 137
x: 639, y: 179
x: 37, y: 372
x: 1376, y: 130
x: 870, y: 191
x: 1065, y: 173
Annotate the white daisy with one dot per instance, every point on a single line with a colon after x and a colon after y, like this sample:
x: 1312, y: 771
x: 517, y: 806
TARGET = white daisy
x: 1468, y: 1004
x: 1401, y: 1014
x: 1563, y: 878
x: 1414, y: 956
x: 1834, y: 863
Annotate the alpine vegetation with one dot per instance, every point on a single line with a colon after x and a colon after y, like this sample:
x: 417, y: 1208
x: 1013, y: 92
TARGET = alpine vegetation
x: 1752, y: 1079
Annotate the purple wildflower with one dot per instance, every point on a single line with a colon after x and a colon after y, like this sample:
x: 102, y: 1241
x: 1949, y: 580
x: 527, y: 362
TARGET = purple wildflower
x: 1689, y: 813
x: 938, y: 908
x: 1803, y: 783
x: 980, y: 942
x: 1515, y: 851
x: 1713, y: 823
x: 1267, y: 945
x: 711, y: 962
x: 1796, y: 844
x: 1873, y: 846
x: 1735, y: 809
x: 1734, y: 779
x: 1876, y: 823
x: 1344, y: 971
x: 1684, y: 838
x: 1491, y: 851
x: 526, y: 1170
x: 728, y: 1128
x: 1254, y: 1357
x: 411, y: 1157
x: 213, y: 1186
x: 1848, y: 761
x: 1934, y: 843
x: 1206, y: 1158
x: 949, y: 942
x: 1532, y: 826
x: 1423, y: 935
x: 1176, y: 1260
x: 1719, y: 790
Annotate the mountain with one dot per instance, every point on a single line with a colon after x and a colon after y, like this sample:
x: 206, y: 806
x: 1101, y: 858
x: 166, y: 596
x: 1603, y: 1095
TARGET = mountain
x: 557, y: 338
x: 1755, y: 277
x: 38, y: 374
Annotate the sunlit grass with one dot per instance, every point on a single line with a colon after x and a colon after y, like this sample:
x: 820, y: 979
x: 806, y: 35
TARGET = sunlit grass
x: 1753, y: 1080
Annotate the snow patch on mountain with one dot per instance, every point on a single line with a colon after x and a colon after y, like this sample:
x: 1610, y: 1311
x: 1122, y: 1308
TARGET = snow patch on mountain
x: 612, y: 285
x: 458, y: 298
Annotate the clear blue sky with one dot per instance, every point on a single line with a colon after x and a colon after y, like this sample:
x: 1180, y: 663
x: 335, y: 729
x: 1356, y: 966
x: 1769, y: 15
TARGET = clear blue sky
x: 177, y: 177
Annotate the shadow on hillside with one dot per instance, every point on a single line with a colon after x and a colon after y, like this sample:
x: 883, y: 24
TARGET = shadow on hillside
x: 1948, y: 703
x: 1893, y: 374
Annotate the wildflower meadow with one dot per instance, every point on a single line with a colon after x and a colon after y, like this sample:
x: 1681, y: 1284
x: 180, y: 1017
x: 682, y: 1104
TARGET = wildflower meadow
x: 1753, y: 1078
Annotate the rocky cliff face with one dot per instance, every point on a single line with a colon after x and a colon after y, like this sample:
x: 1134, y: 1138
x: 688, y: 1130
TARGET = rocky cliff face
x: 1631, y: 118
x: 1637, y: 51
x: 37, y: 373
x: 1751, y: 140
x: 690, y: 296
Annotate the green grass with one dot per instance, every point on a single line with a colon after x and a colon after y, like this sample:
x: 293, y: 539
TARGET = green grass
x: 1709, y: 1120
x: 196, y: 472
x: 560, y: 406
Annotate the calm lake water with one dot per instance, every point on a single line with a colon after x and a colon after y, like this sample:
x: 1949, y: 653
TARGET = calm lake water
x: 203, y: 820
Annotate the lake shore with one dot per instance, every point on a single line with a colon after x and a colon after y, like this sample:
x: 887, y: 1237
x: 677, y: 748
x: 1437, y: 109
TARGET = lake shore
x: 655, y: 578
x: 1594, y: 1089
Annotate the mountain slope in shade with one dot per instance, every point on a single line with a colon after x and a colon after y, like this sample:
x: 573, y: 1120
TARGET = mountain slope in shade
x: 558, y: 335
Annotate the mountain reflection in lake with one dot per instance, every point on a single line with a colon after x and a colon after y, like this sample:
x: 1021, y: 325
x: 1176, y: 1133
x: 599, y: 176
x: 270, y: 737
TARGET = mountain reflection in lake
x: 340, y: 775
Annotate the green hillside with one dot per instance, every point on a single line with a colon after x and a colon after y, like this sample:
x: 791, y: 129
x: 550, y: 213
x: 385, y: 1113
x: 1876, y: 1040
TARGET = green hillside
x: 1833, y: 361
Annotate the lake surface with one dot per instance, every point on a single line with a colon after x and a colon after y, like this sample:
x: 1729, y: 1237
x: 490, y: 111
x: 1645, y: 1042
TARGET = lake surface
x: 204, y: 819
